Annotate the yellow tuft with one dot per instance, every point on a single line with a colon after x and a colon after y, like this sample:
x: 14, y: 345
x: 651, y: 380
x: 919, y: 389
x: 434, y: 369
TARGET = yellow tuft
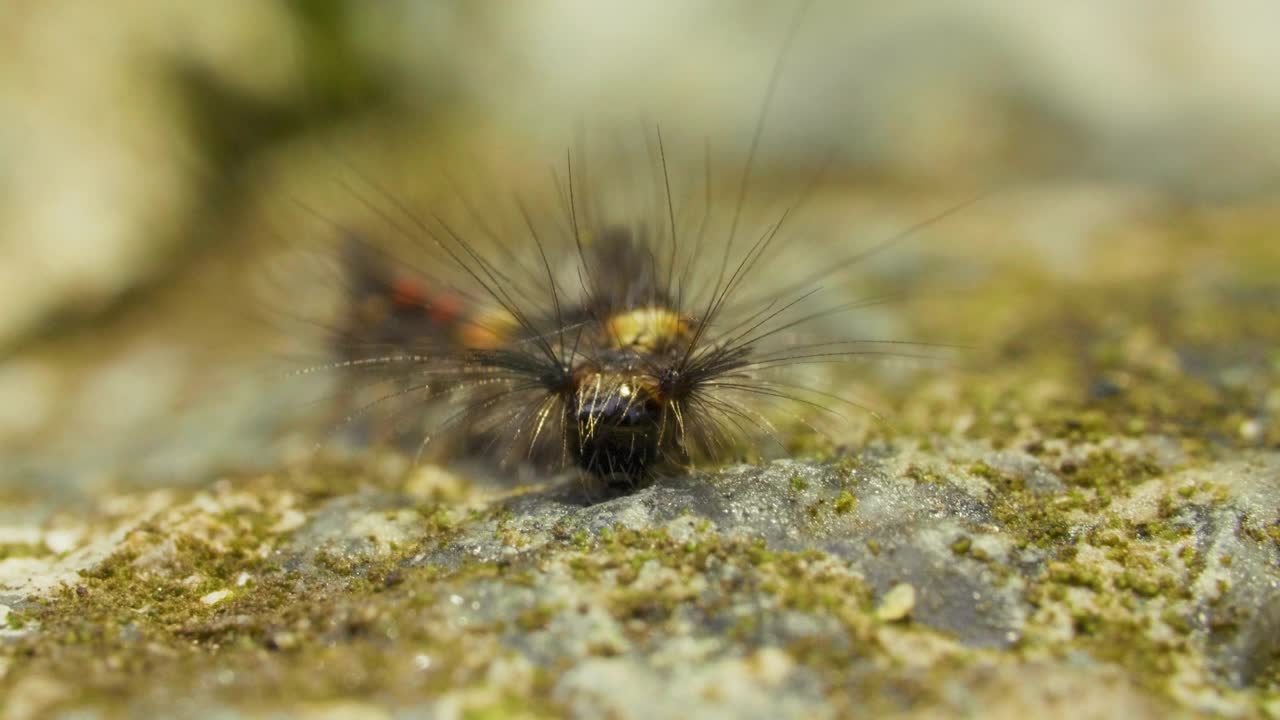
x: 649, y: 328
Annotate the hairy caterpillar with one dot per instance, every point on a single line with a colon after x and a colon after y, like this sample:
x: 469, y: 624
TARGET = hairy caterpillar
x: 623, y: 325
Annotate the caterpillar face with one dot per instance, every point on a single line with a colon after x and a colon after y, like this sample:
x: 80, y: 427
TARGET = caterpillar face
x: 621, y: 412
x: 617, y: 421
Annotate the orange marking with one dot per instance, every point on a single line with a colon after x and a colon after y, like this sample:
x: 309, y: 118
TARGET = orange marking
x: 487, y: 330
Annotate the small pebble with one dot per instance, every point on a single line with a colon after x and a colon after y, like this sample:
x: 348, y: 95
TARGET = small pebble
x: 897, y: 604
x: 215, y: 597
x: 284, y: 640
x: 61, y: 541
x: 1250, y: 430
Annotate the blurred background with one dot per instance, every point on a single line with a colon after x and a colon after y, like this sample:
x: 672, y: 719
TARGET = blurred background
x: 152, y: 151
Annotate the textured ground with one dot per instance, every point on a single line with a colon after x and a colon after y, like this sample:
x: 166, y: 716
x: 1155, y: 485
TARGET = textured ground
x: 1080, y: 518
x: 920, y: 583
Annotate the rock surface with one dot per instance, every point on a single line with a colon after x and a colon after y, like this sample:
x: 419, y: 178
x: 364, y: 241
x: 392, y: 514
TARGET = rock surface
x: 897, y: 580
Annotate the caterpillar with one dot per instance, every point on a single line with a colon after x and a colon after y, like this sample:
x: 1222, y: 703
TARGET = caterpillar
x: 622, y: 328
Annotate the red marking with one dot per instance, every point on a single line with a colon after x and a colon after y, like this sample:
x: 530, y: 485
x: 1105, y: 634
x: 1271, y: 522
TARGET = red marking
x: 407, y: 292
x: 444, y: 309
